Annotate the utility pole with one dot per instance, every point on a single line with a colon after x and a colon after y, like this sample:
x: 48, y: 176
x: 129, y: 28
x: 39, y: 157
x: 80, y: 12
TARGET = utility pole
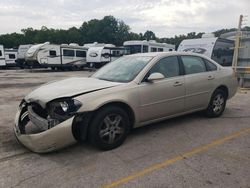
x: 237, y: 44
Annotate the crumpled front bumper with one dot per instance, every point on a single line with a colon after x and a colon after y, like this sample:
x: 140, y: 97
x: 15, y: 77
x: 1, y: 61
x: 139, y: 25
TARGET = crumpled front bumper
x: 49, y: 140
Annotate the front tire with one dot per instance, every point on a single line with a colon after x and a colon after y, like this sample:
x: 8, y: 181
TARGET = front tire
x: 109, y: 128
x: 217, y: 104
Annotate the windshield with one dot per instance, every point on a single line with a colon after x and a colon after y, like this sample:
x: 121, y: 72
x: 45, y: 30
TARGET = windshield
x: 124, y: 69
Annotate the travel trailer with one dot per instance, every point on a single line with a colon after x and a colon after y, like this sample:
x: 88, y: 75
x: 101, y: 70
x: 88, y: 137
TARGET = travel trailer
x: 218, y: 49
x: 55, y: 56
x: 144, y: 46
x: 2, y: 58
x: 98, y: 56
x: 22, y: 49
x: 94, y: 44
x: 10, y: 57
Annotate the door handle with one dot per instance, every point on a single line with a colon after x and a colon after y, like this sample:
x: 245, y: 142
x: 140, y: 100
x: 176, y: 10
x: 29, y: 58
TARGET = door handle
x: 210, y: 77
x: 177, y: 84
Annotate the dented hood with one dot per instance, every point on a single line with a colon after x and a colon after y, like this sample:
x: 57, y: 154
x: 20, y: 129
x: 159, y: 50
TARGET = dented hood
x: 67, y: 88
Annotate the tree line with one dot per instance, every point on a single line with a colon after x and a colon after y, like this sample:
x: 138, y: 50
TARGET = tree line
x: 106, y: 30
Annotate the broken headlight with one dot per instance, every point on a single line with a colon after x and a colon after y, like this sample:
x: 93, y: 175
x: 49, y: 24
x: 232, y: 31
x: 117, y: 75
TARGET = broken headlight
x: 65, y: 107
x: 61, y: 110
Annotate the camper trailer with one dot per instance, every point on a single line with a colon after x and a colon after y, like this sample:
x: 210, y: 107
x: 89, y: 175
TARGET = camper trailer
x: 98, y: 56
x: 10, y: 57
x: 22, y: 49
x: 55, y: 56
x: 2, y: 58
x: 137, y: 46
x: 218, y: 49
x: 94, y: 44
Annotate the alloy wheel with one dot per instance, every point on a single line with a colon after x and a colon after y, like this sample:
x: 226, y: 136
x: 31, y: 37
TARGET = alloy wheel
x: 112, y: 128
x: 218, y: 103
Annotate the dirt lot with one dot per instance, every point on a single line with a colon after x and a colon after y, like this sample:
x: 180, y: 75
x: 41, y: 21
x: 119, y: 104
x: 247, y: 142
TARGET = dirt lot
x: 189, y: 151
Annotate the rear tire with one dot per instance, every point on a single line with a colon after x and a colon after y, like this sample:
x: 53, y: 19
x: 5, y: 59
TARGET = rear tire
x: 109, y: 128
x: 217, y: 104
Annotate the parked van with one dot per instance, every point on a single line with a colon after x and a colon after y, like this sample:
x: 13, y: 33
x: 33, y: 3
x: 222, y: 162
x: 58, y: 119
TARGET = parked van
x: 144, y: 46
x: 55, y: 56
x: 218, y: 49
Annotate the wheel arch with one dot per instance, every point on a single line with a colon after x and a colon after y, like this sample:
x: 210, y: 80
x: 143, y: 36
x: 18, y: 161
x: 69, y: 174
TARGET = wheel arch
x: 224, y: 88
x: 82, y: 120
x: 124, y: 106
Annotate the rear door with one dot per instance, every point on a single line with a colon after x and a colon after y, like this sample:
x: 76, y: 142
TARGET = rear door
x: 164, y: 97
x: 199, y: 82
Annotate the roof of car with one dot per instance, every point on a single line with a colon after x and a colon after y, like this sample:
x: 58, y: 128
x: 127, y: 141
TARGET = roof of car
x: 154, y: 54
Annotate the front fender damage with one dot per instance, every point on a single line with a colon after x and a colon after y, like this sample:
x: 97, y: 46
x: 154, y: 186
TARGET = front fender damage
x: 49, y: 140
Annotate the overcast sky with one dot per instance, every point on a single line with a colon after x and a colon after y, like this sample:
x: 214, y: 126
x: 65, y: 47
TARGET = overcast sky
x: 164, y: 17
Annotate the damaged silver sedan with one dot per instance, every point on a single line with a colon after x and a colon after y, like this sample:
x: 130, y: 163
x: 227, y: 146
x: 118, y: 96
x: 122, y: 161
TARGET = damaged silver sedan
x: 130, y: 92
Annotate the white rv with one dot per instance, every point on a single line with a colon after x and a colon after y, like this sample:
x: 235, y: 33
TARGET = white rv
x: 10, y: 57
x: 22, y: 49
x: 62, y: 56
x: 2, y: 57
x: 144, y: 46
x: 218, y: 49
x: 94, y: 44
x: 98, y: 56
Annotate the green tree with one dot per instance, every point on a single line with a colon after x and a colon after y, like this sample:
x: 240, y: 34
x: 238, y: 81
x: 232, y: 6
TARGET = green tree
x: 149, y: 35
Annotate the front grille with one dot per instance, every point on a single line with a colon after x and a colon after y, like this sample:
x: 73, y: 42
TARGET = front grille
x: 39, y: 110
x: 37, y: 120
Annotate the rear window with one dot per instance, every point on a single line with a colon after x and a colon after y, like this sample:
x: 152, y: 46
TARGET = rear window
x: 52, y: 53
x: 210, y: 66
x: 12, y: 56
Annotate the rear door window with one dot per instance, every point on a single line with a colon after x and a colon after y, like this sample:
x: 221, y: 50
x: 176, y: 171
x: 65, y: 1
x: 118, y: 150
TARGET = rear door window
x: 193, y: 64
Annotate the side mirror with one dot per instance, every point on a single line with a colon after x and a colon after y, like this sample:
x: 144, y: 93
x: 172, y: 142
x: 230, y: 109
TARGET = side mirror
x: 155, y: 76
